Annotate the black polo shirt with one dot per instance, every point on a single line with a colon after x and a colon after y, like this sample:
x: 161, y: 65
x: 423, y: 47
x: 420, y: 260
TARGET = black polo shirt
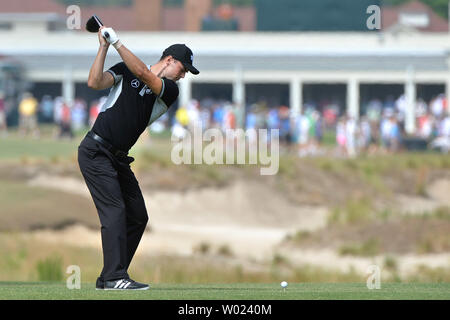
x: 131, y: 106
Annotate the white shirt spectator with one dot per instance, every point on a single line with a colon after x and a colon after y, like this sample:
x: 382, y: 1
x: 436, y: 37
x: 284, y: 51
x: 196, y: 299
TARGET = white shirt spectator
x: 57, y: 110
x: 437, y: 106
x: 445, y: 127
x: 350, y: 132
x: 193, y: 114
x: 205, y: 116
x: 421, y: 107
x: 401, y: 104
x: 304, y: 129
x: 178, y: 131
x: 427, y: 128
x: 386, y: 127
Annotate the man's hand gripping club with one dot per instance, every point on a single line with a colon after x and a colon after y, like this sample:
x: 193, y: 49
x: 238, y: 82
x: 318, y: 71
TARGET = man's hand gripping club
x: 136, y: 66
x: 110, y: 35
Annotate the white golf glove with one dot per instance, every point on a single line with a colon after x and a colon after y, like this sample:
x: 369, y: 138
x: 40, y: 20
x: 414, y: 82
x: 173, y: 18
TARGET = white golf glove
x: 110, y: 35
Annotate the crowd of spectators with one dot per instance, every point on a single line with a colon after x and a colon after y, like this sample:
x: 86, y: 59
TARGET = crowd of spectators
x: 380, y: 128
x: 68, y: 117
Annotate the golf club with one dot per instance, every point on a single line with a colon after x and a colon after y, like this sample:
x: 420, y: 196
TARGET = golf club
x: 94, y: 24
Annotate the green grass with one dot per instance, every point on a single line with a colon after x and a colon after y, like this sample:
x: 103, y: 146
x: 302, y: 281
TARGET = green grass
x: 26, y: 150
x: 15, y: 147
x: 25, y: 207
x: 237, y: 291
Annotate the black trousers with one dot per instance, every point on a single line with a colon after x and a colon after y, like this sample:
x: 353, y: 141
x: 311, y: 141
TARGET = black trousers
x: 119, y: 202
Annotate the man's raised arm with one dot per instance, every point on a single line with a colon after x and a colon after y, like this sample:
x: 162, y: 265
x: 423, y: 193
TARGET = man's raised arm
x: 98, y: 79
x: 136, y: 66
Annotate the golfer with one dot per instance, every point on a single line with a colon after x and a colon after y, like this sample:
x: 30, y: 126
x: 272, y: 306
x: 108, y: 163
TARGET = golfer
x: 139, y: 95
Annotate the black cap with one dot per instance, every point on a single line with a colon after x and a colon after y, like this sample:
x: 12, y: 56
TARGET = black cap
x: 183, y: 54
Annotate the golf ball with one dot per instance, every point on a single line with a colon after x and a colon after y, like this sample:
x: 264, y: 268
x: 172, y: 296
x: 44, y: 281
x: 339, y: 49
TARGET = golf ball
x: 284, y: 284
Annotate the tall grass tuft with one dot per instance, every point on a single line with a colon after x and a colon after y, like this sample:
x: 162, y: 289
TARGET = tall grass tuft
x: 50, y: 269
x: 353, y: 212
x: 368, y: 248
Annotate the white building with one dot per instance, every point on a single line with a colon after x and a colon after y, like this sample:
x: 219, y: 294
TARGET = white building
x: 295, y: 59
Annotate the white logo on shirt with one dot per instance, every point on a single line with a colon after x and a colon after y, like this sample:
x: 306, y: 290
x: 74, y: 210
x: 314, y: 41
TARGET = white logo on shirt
x: 135, y: 83
x: 145, y: 90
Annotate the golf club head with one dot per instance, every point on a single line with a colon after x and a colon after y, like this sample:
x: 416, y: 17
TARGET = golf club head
x: 93, y: 24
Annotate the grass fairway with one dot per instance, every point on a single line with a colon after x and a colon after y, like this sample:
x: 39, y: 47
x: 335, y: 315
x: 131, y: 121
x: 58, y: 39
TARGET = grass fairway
x: 15, y: 147
x: 241, y: 291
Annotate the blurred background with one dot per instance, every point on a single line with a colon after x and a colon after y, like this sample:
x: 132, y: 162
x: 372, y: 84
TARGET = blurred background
x: 359, y: 90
